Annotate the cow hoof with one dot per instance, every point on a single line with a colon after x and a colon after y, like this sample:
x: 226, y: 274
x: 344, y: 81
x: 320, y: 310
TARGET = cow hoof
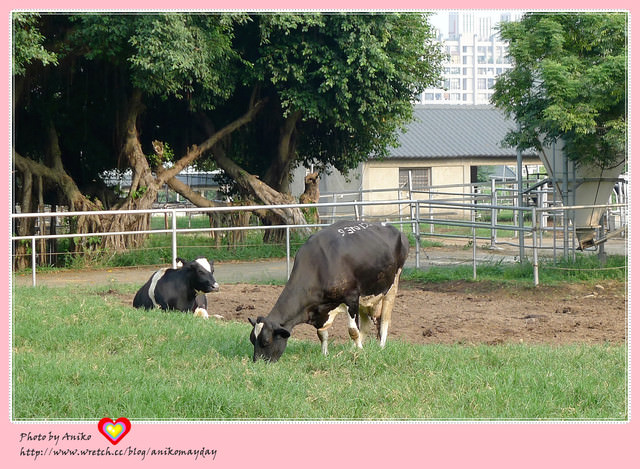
x: 201, y: 313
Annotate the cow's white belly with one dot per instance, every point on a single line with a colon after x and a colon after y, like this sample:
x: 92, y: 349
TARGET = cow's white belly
x: 152, y: 288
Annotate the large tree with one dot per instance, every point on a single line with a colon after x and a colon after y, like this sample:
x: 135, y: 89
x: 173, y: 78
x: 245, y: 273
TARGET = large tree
x: 568, y: 81
x: 254, y: 95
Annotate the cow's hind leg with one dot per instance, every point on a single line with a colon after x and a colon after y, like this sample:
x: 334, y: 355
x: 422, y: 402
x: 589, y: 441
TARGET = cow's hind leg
x: 387, y: 305
x: 323, y: 335
x: 367, y: 313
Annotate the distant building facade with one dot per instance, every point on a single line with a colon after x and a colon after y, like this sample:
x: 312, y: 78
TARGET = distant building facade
x: 445, y: 144
x: 477, y: 56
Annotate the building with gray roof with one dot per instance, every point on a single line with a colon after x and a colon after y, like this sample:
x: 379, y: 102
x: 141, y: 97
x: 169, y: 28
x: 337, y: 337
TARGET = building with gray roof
x: 443, y: 145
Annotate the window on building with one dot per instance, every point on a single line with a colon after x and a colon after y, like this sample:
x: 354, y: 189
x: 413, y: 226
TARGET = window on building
x: 420, y: 178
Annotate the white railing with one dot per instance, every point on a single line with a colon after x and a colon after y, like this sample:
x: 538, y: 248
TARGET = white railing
x: 413, y: 208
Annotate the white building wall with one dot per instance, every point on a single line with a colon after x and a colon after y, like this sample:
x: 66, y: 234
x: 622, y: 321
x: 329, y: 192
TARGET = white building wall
x: 477, y: 56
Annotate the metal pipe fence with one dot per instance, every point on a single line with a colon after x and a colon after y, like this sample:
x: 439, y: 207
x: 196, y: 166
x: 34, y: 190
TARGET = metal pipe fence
x: 416, y: 219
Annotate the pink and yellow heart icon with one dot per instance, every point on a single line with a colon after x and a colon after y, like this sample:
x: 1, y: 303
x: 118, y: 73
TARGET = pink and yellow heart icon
x: 114, y: 431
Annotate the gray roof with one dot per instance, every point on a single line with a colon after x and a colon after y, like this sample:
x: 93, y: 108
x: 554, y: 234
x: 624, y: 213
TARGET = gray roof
x: 455, y: 131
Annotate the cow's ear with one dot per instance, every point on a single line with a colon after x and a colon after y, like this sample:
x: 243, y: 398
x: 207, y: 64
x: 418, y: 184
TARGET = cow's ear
x: 282, y: 332
x: 180, y: 262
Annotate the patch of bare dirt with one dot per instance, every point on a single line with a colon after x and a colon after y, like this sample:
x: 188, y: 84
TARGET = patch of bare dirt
x: 464, y: 312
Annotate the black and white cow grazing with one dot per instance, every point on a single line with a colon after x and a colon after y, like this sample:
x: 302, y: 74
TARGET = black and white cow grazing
x: 182, y: 289
x: 348, y: 266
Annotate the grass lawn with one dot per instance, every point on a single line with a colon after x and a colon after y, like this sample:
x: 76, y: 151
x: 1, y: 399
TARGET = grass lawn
x: 80, y: 354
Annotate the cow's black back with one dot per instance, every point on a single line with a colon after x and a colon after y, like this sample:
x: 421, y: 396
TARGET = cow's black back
x: 366, y: 256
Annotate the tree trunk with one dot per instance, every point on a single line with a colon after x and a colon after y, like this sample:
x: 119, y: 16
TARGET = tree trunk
x: 143, y: 191
x: 262, y: 192
x: 258, y: 190
x: 311, y: 195
x: 277, y: 176
x: 24, y: 226
x: 56, y: 176
x: 144, y: 185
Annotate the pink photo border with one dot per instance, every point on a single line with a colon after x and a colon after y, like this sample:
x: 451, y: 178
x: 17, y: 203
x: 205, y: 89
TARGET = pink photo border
x: 294, y: 444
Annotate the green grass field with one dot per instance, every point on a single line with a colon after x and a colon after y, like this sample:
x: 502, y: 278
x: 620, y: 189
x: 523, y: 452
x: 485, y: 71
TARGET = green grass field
x: 80, y: 354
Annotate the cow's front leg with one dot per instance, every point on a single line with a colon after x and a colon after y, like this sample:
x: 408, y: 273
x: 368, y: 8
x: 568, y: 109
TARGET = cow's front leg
x: 199, y: 306
x: 323, y: 332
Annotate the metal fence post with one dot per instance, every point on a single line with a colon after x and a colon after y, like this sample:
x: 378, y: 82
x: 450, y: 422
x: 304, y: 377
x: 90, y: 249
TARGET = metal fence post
x: 534, y: 225
x: 473, y: 233
x: 333, y: 209
x: 416, y: 233
x: 288, y: 252
x: 174, y: 238
x: 33, y: 261
x: 494, y: 213
x: 431, y: 225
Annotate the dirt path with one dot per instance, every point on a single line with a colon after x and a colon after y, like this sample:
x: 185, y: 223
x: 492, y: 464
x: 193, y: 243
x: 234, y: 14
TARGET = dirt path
x: 453, y: 312
x: 463, y: 312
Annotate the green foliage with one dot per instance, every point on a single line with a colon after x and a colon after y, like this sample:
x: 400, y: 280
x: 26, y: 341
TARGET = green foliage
x: 183, y: 55
x: 569, y: 81
x: 139, y: 192
x: 336, y: 88
x: 28, y: 43
x: 354, y: 77
x: 79, y: 354
x: 162, y: 153
x: 167, y: 55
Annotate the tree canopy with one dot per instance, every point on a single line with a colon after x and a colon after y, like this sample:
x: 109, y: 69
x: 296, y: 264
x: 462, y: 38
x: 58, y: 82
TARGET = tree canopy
x: 330, y: 89
x: 252, y: 94
x: 569, y: 82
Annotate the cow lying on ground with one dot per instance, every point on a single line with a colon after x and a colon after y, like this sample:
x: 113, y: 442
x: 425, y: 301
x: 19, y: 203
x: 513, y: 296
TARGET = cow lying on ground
x: 182, y: 289
x: 348, y: 266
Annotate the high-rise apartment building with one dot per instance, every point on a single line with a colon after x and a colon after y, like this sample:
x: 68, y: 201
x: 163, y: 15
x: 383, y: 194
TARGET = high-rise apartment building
x: 477, y: 56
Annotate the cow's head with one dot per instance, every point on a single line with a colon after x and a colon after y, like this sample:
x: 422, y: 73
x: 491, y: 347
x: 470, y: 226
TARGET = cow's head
x: 200, y: 274
x: 268, y: 338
